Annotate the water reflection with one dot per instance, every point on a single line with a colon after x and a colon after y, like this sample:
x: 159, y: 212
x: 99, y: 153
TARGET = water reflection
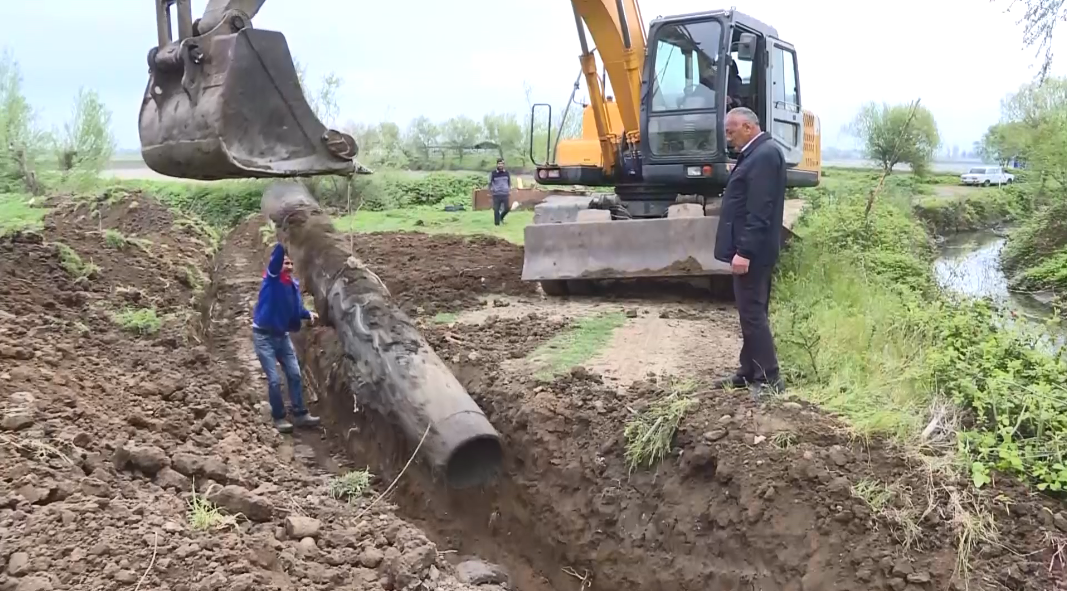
x: 969, y: 264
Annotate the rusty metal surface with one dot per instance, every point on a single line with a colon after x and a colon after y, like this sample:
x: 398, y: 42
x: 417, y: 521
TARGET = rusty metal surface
x: 230, y: 106
x: 622, y: 249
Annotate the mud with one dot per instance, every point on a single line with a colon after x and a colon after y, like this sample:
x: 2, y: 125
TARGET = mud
x: 105, y: 433
x: 429, y: 274
x: 771, y: 496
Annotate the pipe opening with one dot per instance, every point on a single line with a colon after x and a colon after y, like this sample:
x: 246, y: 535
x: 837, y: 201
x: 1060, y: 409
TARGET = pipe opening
x: 475, y: 462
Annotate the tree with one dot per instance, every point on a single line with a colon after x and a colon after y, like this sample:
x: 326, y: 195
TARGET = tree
x: 1033, y: 127
x: 422, y: 135
x: 1039, y: 19
x: 86, y: 143
x: 895, y: 134
x: 461, y: 133
x: 21, y: 141
x: 504, y: 131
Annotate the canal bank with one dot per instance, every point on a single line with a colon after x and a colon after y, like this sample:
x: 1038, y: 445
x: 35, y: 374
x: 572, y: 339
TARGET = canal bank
x: 968, y: 264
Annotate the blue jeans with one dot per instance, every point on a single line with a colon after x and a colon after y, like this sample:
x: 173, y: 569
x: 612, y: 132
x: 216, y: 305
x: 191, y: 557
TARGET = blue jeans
x: 272, y: 349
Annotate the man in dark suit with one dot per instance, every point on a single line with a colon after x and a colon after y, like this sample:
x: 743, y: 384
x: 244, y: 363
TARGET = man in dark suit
x: 748, y: 237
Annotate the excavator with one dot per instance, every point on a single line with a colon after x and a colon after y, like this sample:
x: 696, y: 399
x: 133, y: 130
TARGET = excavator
x: 224, y: 101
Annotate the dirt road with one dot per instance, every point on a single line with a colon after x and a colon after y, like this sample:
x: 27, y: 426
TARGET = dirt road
x: 105, y: 432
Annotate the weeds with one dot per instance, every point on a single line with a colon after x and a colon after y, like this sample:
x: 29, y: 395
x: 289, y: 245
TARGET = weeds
x: 268, y: 233
x: 784, y: 440
x: 205, y: 516
x: 875, y: 494
x: 115, y: 239
x: 866, y: 333
x: 73, y: 264
x: 142, y: 321
x: 973, y: 526
x: 650, y: 433
x: 1058, y: 544
x: 350, y: 486
x: 193, y: 277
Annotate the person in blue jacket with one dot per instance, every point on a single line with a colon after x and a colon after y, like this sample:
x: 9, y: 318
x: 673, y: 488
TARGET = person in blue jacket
x: 278, y: 312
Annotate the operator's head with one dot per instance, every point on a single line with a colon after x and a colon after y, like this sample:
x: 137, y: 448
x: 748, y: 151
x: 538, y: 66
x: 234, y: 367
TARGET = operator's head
x: 500, y: 164
x: 287, y: 264
x: 741, y: 126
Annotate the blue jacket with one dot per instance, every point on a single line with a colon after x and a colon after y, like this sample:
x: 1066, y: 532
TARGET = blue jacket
x: 280, y: 308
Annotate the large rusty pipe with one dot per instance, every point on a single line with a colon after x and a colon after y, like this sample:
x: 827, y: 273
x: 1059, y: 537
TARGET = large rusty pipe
x: 399, y: 376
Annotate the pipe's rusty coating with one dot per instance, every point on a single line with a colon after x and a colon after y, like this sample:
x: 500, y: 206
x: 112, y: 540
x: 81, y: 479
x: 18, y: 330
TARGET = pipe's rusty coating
x: 399, y: 375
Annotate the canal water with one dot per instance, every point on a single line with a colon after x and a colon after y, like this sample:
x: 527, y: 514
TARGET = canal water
x: 969, y: 264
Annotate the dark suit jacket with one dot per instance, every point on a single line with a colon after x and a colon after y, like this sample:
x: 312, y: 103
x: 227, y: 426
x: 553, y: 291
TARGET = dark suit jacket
x: 750, y: 222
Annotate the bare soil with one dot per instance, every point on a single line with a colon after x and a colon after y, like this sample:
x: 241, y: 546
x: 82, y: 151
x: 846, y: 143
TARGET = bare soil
x: 427, y: 274
x: 105, y: 434
x: 753, y: 496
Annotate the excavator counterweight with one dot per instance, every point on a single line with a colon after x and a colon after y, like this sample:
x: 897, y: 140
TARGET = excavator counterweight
x: 227, y: 103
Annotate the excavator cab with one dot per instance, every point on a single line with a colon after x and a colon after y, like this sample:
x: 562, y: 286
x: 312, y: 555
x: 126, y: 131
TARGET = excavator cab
x: 224, y: 101
x: 666, y: 161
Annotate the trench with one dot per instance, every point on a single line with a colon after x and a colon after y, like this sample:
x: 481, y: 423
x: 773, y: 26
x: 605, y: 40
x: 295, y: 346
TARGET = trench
x: 968, y: 264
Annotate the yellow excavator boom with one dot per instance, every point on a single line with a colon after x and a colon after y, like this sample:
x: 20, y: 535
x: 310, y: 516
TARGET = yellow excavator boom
x: 658, y: 143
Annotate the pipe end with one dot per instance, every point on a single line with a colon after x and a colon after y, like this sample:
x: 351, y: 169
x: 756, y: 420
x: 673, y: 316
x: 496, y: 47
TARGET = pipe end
x: 475, y: 463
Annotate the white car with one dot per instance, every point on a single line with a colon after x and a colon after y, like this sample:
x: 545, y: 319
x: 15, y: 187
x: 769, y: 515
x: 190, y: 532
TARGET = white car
x: 986, y: 175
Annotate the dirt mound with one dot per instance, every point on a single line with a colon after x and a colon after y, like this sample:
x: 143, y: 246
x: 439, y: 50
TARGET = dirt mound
x: 443, y: 273
x: 110, y: 416
x: 773, y: 496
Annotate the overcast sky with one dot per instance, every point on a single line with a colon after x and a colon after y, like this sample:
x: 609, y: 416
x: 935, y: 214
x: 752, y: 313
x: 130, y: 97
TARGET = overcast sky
x: 402, y: 59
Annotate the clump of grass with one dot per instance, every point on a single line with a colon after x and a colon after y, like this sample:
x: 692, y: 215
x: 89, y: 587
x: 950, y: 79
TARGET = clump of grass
x: 893, y: 505
x: 143, y: 243
x: 784, y: 439
x: 973, y: 525
x: 143, y: 321
x: 199, y: 230
x: 876, y: 495
x: 649, y: 434
x: 350, y: 486
x: 445, y: 318
x: 205, y: 516
x: 267, y: 233
x: 194, y: 277
x: 73, y: 264
x: 115, y: 239
x: 1058, y: 544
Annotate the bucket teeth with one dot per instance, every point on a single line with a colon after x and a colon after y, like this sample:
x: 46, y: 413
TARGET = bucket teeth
x: 237, y: 113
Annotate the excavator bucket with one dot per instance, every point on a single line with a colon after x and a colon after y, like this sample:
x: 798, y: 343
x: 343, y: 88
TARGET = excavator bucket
x: 593, y: 246
x: 230, y: 105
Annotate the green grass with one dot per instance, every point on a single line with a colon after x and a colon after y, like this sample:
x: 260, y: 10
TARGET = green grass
x: 17, y: 212
x: 204, y: 515
x: 445, y: 317
x: 115, y: 239
x: 73, y: 264
x: 143, y: 321
x: 350, y: 486
x: 435, y: 221
x: 650, y: 433
x: 576, y: 345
